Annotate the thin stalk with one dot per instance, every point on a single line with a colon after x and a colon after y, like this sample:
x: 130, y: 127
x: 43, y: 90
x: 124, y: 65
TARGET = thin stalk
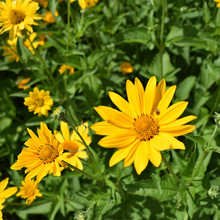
x: 82, y: 172
x: 203, y: 155
x: 171, y: 171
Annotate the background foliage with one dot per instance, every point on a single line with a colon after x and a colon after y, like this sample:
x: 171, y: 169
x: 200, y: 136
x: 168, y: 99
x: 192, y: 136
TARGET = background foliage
x: 184, y: 51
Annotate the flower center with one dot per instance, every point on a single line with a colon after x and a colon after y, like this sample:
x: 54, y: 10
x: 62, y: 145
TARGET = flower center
x: 16, y: 16
x: 47, y: 153
x: 145, y: 127
x: 71, y: 146
x: 40, y: 102
x: 30, y: 191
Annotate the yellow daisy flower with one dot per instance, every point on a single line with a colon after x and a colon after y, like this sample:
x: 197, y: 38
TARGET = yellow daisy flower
x: 218, y: 5
x: 49, y: 18
x: 43, y: 155
x: 29, y: 191
x: 43, y: 3
x: 64, y: 67
x: 39, y: 102
x: 73, y: 144
x: 18, y: 15
x: 5, y: 193
x: 126, y: 68
x: 87, y: 3
x: 145, y: 125
x: 21, y: 83
x: 11, y: 50
x: 35, y: 44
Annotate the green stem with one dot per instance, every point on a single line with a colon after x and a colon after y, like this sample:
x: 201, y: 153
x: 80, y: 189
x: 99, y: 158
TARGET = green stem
x: 171, y: 171
x: 82, y: 172
x: 203, y: 155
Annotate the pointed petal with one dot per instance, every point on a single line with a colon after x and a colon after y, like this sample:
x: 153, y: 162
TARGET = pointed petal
x: 174, y: 143
x: 65, y: 130
x: 178, y: 130
x: 106, y: 112
x: 160, y: 143
x: 155, y: 156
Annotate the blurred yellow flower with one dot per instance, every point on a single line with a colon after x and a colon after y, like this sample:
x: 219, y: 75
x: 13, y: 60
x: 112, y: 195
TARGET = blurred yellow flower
x: 42, y: 156
x: 43, y: 3
x: 73, y: 144
x: 64, y: 67
x: 18, y: 15
x: 11, y: 50
x: 21, y: 83
x: 49, y: 18
x: 87, y: 3
x: 29, y: 191
x: 33, y: 43
x: 70, y: 1
x: 218, y: 5
x: 126, y: 68
x: 5, y: 193
x: 145, y: 125
x: 39, y: 102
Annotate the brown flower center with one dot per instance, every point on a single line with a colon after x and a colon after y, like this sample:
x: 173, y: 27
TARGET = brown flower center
x: 16, y: 16
x: 145, y: 127
x: 40, y: 102
x: 47, y: 153
x: 71, y: 146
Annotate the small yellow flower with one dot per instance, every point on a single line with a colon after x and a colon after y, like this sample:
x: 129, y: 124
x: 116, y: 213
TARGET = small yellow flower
x: 218, y: 5
x: 18, y: 15
x: 21, y: 83
x: 87, y: 3
x: 126, y: 68
x: 43, y: 3
x: 29, y: 191
x: 145, y: 126
x: 11, y: 50
x: 39, y: 102
x: 49, y: 18
x: 73, y: 144
x: 64, y: 67
x: 33, y: 43
x: 5, y: 193
x: 42, y: 156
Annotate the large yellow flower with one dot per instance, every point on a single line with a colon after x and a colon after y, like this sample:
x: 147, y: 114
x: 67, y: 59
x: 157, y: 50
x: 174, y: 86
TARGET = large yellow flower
x: 73, y: 144
x: 29, y: 191
x: 145, y: 125
x: 87, y: 3
x: 17, y: 15
x: 43, y: 155
x: 39, y: 102
x: 4, y: 194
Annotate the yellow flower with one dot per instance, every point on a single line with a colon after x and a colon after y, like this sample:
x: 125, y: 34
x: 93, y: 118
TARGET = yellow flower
x: 4, y: 194
x: 11, y: 50
x: 43, y: 3
x: 87, y: 3
x: 21, y: 83
x: 49, y: 18
x: 29, y: 191
x: 73, y: 144
x: 18, y: 15
x: 126, y: 68
x: 42, y: 156
x: 218, y: 5
x: 64, y: 67
x: 35, y: 44
x: 145, y: 125
x: 39, y: 102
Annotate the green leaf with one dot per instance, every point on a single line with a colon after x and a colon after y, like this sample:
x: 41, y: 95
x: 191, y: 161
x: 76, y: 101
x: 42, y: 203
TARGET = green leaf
x: 135, y: 35
x: 206, y: 12
x: 5, y: 122
x: 185, y: 87
x: 196, y: 139
x: 214, y: 148
x: 21, y: 50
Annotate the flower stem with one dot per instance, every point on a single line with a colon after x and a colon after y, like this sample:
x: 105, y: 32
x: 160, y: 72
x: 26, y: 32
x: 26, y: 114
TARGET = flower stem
x: 82, y: 172
x: 171, y: 171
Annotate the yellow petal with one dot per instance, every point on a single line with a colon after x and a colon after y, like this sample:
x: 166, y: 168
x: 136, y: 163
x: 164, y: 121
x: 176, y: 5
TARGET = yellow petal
x: 121, y: 120
x: 178, y: 130
x: 58, y: 136
x: 172, y: 113
x: 65, y: 130
x: 160, y: 143
x: 140, y: 91
x: 131, y: 155
x: 141, y: 157
x: 149, y: 95
x: 174, y: 143
x: 155, y: 156
x: 106, y: 112
x: 8, y: 192
x: 3, y: 184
